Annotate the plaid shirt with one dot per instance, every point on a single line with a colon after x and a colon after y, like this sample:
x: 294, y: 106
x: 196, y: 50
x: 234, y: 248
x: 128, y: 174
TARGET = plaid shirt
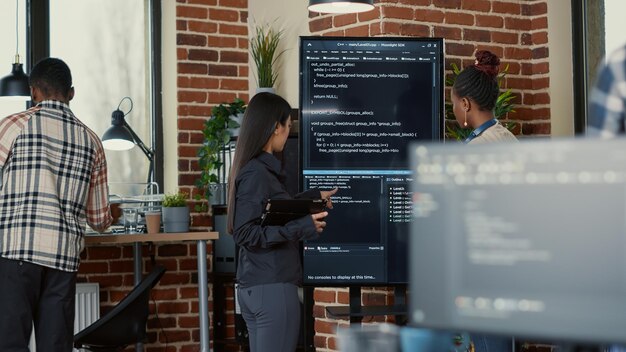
x: 54, y: 179
x: 607, y: 109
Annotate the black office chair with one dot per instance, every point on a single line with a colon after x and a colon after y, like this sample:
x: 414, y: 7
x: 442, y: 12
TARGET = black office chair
x: 125, y: 324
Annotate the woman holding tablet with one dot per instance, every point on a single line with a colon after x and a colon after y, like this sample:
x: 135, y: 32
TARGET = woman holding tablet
x: 269, y: 270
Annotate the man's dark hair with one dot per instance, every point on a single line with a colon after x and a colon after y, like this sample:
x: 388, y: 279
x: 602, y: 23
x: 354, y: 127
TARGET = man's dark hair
x: 52, y: 76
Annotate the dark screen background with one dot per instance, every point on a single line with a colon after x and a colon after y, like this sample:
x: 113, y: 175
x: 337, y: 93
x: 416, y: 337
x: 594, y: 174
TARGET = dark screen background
x: 359, y: 117
x: 407, y: 101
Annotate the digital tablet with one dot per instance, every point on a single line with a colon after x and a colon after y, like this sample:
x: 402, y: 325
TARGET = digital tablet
x: 278, y: 212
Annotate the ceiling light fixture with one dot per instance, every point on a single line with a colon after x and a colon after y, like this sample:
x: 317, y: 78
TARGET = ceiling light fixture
x: 339, y: 6
x: 15, y: 85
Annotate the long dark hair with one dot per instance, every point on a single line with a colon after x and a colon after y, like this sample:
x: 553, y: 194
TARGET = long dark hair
x: 479, y: 81
x: 260, y: 120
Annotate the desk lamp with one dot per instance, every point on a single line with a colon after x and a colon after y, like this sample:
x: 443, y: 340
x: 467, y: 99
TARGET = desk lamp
x: 120, y: 136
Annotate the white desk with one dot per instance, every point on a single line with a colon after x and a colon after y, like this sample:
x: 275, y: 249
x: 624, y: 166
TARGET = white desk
x: 200, y: 237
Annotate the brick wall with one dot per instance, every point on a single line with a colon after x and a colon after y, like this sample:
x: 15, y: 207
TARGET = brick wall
x: 212, y: 53
x: 516, y: 30
x: 212, y: 66
x: 326, y: 326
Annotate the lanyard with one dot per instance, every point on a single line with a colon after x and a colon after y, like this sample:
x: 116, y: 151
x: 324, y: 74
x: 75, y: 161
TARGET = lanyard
x: 480, y: 129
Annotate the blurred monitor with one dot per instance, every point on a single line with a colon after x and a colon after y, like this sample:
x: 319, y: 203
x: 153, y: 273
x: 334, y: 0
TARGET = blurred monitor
x: 523, y: 239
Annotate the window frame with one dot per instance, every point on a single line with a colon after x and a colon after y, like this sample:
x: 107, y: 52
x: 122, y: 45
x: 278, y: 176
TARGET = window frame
x: 588, y: 26
x: 579, y: 61
x: 38, y: 47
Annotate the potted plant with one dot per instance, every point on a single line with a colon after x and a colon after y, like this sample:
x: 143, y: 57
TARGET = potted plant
x: 175, y: 212
x: 264, y: 49
x: 217, y: 132
x: 503, y: 106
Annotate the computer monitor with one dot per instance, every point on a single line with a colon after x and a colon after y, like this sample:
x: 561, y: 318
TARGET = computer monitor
x: 362, y: 101
x: 523, y: 239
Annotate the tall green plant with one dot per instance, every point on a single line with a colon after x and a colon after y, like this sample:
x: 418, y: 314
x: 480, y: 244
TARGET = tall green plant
x: 504, y: 105
x: 264, y: 48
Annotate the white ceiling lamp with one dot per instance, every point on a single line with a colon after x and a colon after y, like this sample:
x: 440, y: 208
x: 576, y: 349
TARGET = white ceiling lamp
x: 341, y: 6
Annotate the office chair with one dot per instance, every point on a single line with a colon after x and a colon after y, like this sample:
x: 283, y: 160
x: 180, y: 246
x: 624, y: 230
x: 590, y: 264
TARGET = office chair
x: 125, y: 324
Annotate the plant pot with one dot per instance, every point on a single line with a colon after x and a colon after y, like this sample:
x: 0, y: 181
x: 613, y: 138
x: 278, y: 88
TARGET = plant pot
x: 266, y: 89
x: 218, y: 193
x: 175, y: 219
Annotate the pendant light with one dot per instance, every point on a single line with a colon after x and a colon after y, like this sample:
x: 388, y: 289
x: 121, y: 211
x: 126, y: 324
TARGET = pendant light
x: 341, y: 6
x: 15, y: 85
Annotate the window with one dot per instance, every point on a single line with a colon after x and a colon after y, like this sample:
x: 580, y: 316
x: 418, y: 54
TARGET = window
x: 597, y: 31
x: 7, y: 49
x: 614, y: 25
x: 106, y: 44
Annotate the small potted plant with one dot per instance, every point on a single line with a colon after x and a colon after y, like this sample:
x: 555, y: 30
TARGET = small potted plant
x: 175, y: 212
x: 217, y: 131
x: 264, y: 49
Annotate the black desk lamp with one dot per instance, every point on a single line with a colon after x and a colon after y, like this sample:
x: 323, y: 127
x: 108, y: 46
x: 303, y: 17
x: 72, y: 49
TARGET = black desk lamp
x: 120, y: 136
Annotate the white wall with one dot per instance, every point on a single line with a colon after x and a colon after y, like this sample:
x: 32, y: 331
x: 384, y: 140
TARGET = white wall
x: 293, y: 17
x: 561, y: 69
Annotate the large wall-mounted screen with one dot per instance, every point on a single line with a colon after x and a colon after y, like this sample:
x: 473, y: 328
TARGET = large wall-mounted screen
x: 362, y: 101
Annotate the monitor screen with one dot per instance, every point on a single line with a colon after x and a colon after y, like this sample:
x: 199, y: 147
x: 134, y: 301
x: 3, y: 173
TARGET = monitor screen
x: 523, y: 239
x: 363, y: 100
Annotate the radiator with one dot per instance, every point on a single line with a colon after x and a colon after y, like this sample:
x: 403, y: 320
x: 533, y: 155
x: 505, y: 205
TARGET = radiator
x: 87, y: 309
x: 87, y: 305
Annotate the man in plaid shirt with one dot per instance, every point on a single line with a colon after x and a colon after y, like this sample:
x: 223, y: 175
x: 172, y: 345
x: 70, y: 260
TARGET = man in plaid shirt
x: 54, y: 182
x: 607, y: 108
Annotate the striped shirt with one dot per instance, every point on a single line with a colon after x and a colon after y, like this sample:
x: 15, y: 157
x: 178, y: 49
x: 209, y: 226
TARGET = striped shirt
x: 607, y: 108
x: 494, y: 134
x: 54, y: 181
